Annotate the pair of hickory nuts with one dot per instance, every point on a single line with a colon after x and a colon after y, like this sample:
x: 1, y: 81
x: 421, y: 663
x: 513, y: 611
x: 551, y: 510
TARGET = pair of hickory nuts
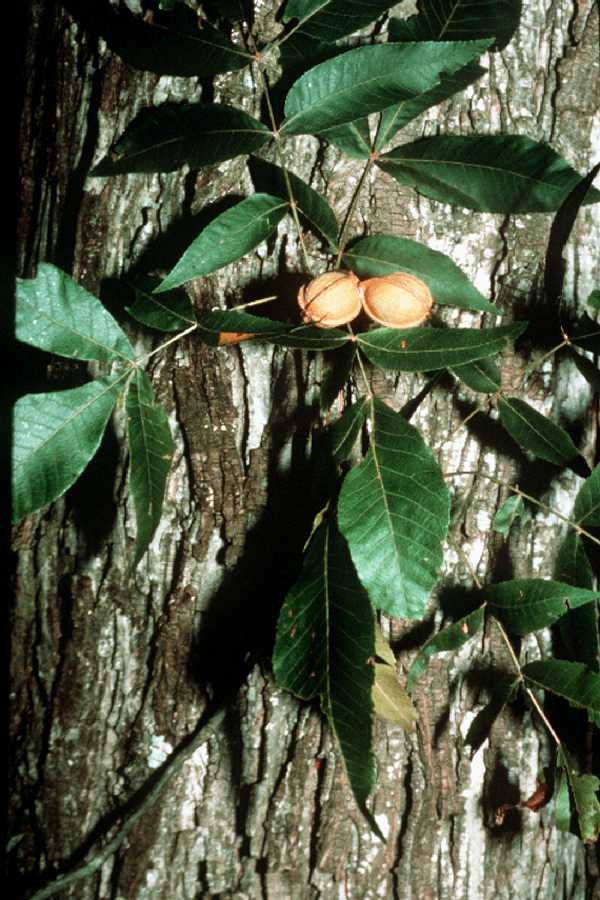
x: 398, y: 300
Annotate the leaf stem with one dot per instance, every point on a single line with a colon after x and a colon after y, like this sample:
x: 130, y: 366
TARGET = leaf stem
x: 517, y: 490
x: 511, y: 651
x: 534, y: 701
x: 278, y: 151
x: 172, y: 340
x: 351, y: 209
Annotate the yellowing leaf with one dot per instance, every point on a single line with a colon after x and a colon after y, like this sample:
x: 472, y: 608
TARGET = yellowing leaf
x: 390, y: 700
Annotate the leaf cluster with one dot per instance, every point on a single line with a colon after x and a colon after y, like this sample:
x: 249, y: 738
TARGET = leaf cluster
x: 378, y: 545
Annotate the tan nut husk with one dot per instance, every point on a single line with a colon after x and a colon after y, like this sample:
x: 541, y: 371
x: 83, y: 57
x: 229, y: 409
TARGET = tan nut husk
x: 398, y: 300
x: 330, y: 299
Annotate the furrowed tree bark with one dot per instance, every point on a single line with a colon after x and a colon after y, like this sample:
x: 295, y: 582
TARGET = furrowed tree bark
x: 112, y: 669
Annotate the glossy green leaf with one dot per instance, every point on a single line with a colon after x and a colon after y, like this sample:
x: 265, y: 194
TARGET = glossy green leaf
x: 384, y: 253
x: 164, y: 138
x: 313, y: 208
x: 369, y: 79
x: 55, y: 435
x: 181, y: 49
x: 213, y: 324
x: 555, y: 267
x: 169, y: 312
x: 536, y: 433
x: 54, y: 313
x: 450, y: 638
x: 324, y: 644
x: 480, y: 727
x: 459, y: 20
x: 587, y: 502
x: 562, y: 804
x: 482, y: 376
x: 426, y: 349
x: 586, y: 334
x: 504, y: 173
x: 150, y: 453
x: 343, y: 434
x: 396, y: 117
x: 310, y: 337
x: 527, y: 604
x: 227, y: 238
x: 223, y: 321
x: 394, y: 513
x: 329, y: 20
x: 573, y: 681
x: 507, y: 514
x: 353, y: 138
x: 579, y: 627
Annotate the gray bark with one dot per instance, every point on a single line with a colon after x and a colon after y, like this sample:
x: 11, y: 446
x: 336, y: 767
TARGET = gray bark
x: 111, y: 668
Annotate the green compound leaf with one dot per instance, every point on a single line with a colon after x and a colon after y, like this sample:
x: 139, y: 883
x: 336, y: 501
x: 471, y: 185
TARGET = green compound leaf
x: 573, y: 681
x: 459, y: 20
x: 450, y: 638
x: 232, y: 321
x: 482, y: 376
x: 310, y: 337
x: 150, y: 453
x: 369, y: 79
x: 312, y: 206
x: 227, y: 238
x: 354, y: 138
x: 182, y: 49
x: 54, y: 313
x: 384, y: 253
x: 212, y: 325
x: 55, y: 435
x: 502, y: 173
x: 329, y: 20
x: 579, y: 628
x: 324, y: 646
x: 166, y: 137
x: 587, y: 502
x: 427, y: 349
x: 169, y: 312
x: 509, y: 512
x: 527, y: 604
x: 396, y: 117
x: 394, y: 513
x: 534, y: 432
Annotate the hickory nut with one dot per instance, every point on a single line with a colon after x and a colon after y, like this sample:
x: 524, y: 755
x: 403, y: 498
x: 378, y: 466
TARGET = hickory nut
x: 330, y: 299
x: 398, y: 300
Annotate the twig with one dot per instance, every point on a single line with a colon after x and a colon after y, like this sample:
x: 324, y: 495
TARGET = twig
x: 517, y: 490
x: 527, y: 690
x: 348, y: 218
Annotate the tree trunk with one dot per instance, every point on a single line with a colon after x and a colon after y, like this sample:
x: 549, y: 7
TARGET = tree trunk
x: 113, y: 668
